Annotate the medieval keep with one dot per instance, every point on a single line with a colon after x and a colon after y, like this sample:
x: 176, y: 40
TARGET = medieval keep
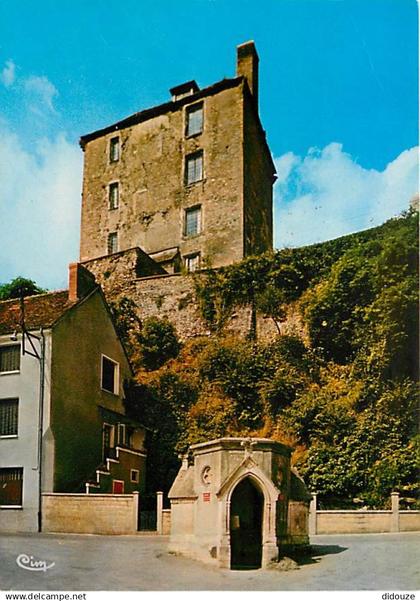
x: 189, y: 182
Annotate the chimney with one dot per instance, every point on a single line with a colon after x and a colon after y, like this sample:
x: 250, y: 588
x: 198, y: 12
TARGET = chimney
x: 81, y: 282
x: 247, y: 65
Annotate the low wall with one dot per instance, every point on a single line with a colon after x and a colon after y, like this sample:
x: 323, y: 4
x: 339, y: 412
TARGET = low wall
x: 360, y: 521
x: 166, y: 521
x: 353, y: 522
x: 90, y: 514
x: 409, y: 521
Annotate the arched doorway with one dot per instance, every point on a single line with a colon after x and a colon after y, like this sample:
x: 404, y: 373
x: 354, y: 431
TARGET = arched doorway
x: 246, y: 516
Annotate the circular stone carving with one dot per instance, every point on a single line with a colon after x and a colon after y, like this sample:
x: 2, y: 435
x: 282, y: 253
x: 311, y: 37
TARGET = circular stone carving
x: 206, y: 475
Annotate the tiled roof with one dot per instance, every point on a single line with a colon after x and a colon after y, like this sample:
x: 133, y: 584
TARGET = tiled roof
x: 41, y: 310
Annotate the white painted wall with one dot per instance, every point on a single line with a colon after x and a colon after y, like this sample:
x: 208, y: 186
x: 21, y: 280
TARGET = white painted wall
x: 22, y: 450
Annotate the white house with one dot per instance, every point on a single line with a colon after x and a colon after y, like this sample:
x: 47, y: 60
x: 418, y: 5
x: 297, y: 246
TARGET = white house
x: 63, y: 425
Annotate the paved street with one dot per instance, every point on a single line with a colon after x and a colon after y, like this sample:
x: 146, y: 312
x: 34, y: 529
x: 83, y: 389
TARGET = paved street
x: 351, y: 562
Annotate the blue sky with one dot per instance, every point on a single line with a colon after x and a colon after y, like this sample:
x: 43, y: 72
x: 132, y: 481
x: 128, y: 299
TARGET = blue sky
x: 338, y: 99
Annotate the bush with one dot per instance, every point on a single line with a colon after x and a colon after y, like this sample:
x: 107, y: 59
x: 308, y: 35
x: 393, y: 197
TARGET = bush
x: 158, y: 342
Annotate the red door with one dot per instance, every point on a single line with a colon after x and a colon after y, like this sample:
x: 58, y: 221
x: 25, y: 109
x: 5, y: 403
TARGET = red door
x: 117, y: 487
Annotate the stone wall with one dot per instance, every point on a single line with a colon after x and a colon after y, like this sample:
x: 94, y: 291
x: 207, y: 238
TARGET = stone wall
x: 361, y: 521
x: 409, y: 521
x: 153, y: 193
x: 353, y: 522
x: 166, y: 521
x: 173, y: 296
x: 90, y: 514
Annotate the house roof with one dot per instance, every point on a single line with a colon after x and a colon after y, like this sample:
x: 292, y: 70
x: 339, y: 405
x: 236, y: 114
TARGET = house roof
x: 41, y: 310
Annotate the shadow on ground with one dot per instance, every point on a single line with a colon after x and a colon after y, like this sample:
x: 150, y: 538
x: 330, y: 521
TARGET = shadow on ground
x: 316, y: 552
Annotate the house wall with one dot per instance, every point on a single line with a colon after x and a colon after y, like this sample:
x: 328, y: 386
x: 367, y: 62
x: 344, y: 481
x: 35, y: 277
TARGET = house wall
x: 22, y: 450
x: 120, y: 470
x: 90, y: 514
x: 79, y: 340
x: 153, y: 193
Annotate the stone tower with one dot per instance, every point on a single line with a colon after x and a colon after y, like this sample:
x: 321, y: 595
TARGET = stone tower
x: 189, y: 181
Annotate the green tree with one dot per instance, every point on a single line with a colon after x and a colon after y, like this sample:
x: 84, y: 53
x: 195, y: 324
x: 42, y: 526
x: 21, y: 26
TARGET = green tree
x: 158, y: 342
x: 19, y: 287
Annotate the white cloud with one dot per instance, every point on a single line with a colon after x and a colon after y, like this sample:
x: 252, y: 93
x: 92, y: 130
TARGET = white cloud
x: 39, y: 208
x: 8, y: 74
x: 328, y: 194
x: 41, y: 89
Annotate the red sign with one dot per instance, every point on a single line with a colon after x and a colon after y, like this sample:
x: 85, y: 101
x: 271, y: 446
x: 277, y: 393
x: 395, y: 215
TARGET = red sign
x: 206, y: 497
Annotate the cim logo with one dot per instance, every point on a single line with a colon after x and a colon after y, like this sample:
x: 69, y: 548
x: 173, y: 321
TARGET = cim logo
x: 28, y: 562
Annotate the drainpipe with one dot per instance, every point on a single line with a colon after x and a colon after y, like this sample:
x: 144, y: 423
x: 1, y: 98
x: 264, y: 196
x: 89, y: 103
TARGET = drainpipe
x: 40, y: 424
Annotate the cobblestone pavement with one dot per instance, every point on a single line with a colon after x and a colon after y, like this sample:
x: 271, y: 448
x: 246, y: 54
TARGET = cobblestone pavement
x: 339, y: 562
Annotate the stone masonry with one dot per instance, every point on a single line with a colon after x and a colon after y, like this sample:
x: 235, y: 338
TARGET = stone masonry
x: 140, y: 192
x: 144, y: 223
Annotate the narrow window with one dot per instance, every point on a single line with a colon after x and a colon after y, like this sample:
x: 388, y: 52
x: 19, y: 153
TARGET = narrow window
x: 194, y: 167
x: 112, y: 243
x: 135, y: 476
x: 107, y: 441
x: 109, y: 377
x: 10, y: 358
x: 114, y: 195
x: 114, y: 149
x: 192, y: 262
x: 192, y: 221
x: 9, y: 417
x: 194, y: 120
x: 11, y: 480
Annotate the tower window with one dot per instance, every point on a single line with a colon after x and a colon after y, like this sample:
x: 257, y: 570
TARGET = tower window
x: 194, y: 167
x: 192, y: 221
x: 112, y: 243
x: 194, y: 120
x: 192, y: 262
x: 114, y: 149
x: 113, y: 195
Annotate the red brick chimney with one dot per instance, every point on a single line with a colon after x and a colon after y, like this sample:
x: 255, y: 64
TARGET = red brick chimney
x: 247, y: 65
x: 81, y: 282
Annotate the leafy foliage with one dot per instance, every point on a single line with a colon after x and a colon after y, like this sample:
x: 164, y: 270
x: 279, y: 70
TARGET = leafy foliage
x: 346, y: 402
x: 158, y: 342
x: 19, y: 287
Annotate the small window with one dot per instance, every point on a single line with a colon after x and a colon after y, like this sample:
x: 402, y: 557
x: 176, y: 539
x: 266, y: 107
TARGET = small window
x: 114, y: 195
x: 9, y: 417
x: 194, y: 120
x: 135, y: 476
x: 192, y: 262
x: 10, y: 358
x: 192, y: 221
x: 194, y: 168
x: 112, y: 243
x: 11, y: 480
x: 114, y: 149
x: 109, y: 377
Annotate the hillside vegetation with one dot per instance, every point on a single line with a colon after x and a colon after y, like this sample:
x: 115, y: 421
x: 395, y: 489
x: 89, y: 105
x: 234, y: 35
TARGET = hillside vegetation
x: 345, y: 398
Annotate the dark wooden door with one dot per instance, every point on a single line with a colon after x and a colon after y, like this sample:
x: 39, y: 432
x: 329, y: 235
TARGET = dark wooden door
x: 246, y: 510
